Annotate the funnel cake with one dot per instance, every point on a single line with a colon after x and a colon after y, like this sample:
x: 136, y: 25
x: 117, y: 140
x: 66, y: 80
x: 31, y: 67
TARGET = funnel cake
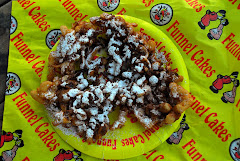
x: 105, y: 63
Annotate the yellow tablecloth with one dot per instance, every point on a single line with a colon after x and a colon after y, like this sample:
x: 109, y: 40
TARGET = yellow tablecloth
x: 205, y: 32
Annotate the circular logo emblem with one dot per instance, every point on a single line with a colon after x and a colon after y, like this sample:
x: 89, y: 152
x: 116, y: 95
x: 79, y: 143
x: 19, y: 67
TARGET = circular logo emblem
x: 13, y: 83
x: 108, y: 5
x: 234, y: 149
x: 52, y: 37
x: 13, y: 26
x: 161, y: 14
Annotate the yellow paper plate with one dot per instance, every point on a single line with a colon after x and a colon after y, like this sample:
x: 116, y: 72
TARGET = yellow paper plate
x: 131, y: 140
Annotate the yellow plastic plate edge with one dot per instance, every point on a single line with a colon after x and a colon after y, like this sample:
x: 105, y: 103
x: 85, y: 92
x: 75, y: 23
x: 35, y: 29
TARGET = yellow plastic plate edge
x: 177, y: 61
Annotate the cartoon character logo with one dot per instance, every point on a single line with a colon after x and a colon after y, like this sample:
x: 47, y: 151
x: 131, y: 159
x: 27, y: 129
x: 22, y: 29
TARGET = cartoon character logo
x: 234, y: 149
x: 217, y: 85
x: 161, y: 14
x: 52, y: 37
x: 214, y: 33
x: 68, y: 155
x: 13, y: 83
x: 108, y: 5
x: 14, y: 25
x: 176, y: 137
x: 9, y: 155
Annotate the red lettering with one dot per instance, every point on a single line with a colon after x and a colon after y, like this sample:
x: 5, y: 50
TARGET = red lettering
x: 228, y: 38
x: 29, y: 5
x: 30, y: 56
x: 109, y: 142
x: 159, y: 50
x: 194, y: 4
x: 123, y: 143
x: 222, y: 133
x: 219, y: 127
x: 21, y: 96
x: 174, y: 25
x: 25, y: 3
x: 104, y: 143
x: 204, y: 111
x: 191, y: 49
x: 48, y: 138
x: 99, y: 142
x: 48, y: 26
x: 207, y: 69
x: 238, y: 104
x: 30, y: 12
x: 147, y: 133
x: 54, y: 147
x: 161, y: 157
x: 17, y: 36
x: 200, y: 108
x: 26, y: 159
x: 122, y: 12
x: 41, y: 62
x: 198, y: 52
x: 204, y: 65
x: 142, y: 141
x: 51, y: 142
x: 187, y: 46
x: 189, y: 144
x: 151, y: 154
x: 36, y: 121
x: 43, y: 124
x: 114, y: 145
x: 206, y: 119
x: 34, y: 117
x: 210, y: 74
x: 226, y: 138
x: 41, y: 19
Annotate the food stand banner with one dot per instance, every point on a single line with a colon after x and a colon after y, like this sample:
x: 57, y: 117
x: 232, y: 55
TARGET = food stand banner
x: 205, y: 33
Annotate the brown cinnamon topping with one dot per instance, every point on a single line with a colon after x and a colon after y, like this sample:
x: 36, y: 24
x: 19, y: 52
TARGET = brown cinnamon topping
x: 104, y: 63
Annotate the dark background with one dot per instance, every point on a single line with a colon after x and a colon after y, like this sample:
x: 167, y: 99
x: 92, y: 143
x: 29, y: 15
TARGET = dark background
x: 5, y: 14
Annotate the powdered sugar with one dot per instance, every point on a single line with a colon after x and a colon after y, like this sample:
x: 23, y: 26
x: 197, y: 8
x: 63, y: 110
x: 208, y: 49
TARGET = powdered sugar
x: 133, y: 60
x: 92, y: 122
x: 155, y: 66
x: 93, y: 111
x: 155, y: 112
x: 109, y: 32
x: 90, y: 32
x: 112, y: 51
x: 127, y: 53
x: 142, y: 118
x: 141, y: 80
x: 140, y: 100
x: 139, y: 67
x: 85, y: 97
x: 114, y: 68
x: 89, y: 133
x: 112, y: 42
x: 83, y: 84
x: 73, y: 92
x: 63, y: 84
x: 65, y: 97
x: 94, y: 18
x: 136, y: 89
x: 153, y: 80
x: 162, y: 74
x: 127, y: 75
x: 132, y: 39
x: 77, y: 100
